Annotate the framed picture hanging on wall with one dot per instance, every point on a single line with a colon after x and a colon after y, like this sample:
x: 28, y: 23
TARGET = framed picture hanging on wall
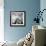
x: 17, y: 18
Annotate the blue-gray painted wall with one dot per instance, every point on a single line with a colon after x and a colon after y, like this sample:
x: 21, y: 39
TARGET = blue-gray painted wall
x: 43, y: 6
x: 30, y: 6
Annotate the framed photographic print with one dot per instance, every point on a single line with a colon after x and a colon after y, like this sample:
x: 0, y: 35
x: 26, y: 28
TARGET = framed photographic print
x: 17, y: 18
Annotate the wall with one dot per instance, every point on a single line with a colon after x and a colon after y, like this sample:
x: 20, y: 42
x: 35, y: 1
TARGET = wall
x: 30, y: 6
x: 43, y: 6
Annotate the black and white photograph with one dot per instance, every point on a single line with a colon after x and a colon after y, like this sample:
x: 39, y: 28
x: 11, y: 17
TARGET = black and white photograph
x: 17, y: 18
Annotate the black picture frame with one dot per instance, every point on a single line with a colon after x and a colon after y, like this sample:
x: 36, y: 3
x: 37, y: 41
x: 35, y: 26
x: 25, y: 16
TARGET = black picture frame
x: 17, y: 18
